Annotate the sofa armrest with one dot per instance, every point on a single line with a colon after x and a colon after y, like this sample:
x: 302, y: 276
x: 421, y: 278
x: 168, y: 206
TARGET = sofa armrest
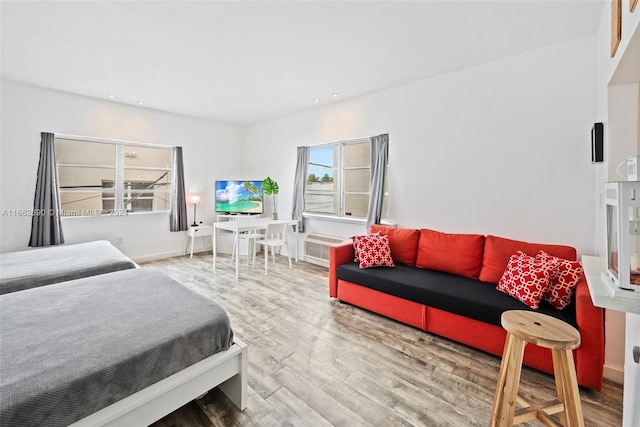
x: 340, y: 253
x: 590, y: 354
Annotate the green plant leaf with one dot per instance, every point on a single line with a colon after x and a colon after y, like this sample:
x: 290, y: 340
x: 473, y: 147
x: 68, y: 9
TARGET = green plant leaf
x: 269, y: 186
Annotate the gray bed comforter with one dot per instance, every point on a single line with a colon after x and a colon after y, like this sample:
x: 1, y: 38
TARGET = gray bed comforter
x: 70, y: 349
x: 53, y: 264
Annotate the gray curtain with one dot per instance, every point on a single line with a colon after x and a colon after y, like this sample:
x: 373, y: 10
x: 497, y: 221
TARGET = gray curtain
x: 178, y: 210
x: 379, y: 160
x: 46, y: 227
x: 298, y: 187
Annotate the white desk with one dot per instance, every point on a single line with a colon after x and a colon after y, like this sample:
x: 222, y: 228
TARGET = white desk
x: 237, y: 227
x: 199, y: 231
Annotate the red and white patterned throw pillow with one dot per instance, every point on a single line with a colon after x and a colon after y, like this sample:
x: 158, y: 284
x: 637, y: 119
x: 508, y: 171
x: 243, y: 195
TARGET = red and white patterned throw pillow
x: 357, y: 243
x: 372, y: 250
x: 526, y: 278
x: 563, y: 280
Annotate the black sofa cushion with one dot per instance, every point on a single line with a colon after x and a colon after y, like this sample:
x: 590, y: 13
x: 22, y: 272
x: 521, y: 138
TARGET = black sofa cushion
x: 455, y: 294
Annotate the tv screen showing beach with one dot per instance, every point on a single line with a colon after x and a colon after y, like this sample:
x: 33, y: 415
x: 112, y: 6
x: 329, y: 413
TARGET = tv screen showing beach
x: 239, y: 197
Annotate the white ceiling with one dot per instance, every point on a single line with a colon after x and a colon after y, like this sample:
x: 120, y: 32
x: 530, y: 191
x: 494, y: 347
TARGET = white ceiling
x: 244, y: 62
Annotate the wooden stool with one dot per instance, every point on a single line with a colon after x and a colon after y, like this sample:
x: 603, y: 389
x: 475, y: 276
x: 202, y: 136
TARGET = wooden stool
x: 524, y: 327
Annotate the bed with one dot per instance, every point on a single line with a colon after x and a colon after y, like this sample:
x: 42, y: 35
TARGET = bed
x: 53, y: 264
x: 123, y: 348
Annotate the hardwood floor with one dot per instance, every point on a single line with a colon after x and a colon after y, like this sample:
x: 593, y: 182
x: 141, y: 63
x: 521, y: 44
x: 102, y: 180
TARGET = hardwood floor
x: 316, y: 362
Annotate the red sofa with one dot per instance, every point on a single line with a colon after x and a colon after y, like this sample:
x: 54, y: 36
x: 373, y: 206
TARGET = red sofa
x: 417, y: 251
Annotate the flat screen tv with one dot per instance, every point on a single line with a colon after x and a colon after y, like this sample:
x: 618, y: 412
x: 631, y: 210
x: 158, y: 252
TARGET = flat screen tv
x: 239, y: 197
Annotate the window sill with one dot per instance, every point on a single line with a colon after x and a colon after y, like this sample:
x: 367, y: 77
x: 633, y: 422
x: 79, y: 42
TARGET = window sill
x: 114, y: 215
x: 342, y: 219
x: 335, y: 218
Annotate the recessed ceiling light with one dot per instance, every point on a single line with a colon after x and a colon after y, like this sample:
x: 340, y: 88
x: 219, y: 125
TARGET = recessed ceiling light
x: 140, y: 103
x: 335, y: 94
x: 111, y: 96
x: 316, y: 100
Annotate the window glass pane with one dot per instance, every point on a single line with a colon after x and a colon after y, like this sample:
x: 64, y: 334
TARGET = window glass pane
x: 75, y: 178
x: 108, y: 205
x: 356, y: 205
x: 321, y: 203
x: 322, y: 165
x: 358, y: 154
x: 153, y: 179
x: 147, y: 157
x: 85, y: 153
x: 338, y: 180
x: 140, y: 196
x: 81, y: 203
x: 357, y: 180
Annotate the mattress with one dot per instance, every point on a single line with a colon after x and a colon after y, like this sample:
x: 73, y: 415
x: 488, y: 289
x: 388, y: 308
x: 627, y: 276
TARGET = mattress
x: 54, y: 264
x: 70, y: 349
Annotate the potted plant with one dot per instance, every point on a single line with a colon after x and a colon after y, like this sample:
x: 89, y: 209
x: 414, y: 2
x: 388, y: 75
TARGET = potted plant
x: 270, y: 187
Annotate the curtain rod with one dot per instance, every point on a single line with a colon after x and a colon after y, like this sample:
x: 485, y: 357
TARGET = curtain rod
x: 109, y: 141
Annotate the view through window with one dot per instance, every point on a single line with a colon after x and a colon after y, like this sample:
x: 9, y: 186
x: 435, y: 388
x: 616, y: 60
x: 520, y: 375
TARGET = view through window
x: 106, y: 178
x: 338, y: 180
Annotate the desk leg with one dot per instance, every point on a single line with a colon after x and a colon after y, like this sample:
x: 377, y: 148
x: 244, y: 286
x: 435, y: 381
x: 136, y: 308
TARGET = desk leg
x: 213, y: 243
x: 191, y: 249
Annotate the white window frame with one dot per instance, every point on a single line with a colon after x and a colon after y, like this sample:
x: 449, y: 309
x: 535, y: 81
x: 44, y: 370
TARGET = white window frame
x: 119, y: 190
x: 339, y: 172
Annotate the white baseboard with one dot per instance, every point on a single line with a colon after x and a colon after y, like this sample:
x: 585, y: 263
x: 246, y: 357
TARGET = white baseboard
x: 615, y: 375
x: 155, y: 257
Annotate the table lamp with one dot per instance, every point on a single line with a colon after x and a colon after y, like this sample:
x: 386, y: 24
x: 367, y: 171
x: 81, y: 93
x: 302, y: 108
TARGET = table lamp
x: 195, y: 199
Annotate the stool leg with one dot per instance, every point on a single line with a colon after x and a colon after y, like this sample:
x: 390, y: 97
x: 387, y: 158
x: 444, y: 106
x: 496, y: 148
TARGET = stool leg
x: 564, y: 368
x: 559, y: 375
x: 504, y: 404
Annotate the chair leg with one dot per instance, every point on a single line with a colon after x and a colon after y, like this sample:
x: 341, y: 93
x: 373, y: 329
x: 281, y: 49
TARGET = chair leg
x: 266, y: 258
x: 253, y: 264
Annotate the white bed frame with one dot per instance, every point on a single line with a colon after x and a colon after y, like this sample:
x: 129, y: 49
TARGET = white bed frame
x: 227, y: 370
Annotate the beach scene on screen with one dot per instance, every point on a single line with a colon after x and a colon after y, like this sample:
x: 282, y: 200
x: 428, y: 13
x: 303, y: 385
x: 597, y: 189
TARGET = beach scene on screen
x: 239, y: 196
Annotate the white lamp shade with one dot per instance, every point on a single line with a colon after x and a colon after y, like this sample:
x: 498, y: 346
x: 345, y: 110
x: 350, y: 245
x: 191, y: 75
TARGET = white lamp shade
x: 195, y: 199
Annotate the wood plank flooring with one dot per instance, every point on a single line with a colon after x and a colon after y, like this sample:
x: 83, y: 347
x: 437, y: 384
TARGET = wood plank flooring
x: 316, y: 362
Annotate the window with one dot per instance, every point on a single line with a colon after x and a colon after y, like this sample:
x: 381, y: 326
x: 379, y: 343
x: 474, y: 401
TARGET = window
x: 338, y: 180
x: 105, y: 177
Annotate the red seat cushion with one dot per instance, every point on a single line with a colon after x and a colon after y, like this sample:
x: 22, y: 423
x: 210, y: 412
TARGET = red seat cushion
x: 497, y: 251
x: 402, y: 241
x: 459, y: 254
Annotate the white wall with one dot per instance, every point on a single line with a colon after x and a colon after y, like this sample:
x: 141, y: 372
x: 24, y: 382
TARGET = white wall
x: 211, y: 151
x: 500, y: 148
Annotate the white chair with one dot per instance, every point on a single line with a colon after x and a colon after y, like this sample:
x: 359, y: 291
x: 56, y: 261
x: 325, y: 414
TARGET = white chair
x: 275, y: 236
x: 249, y: 236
